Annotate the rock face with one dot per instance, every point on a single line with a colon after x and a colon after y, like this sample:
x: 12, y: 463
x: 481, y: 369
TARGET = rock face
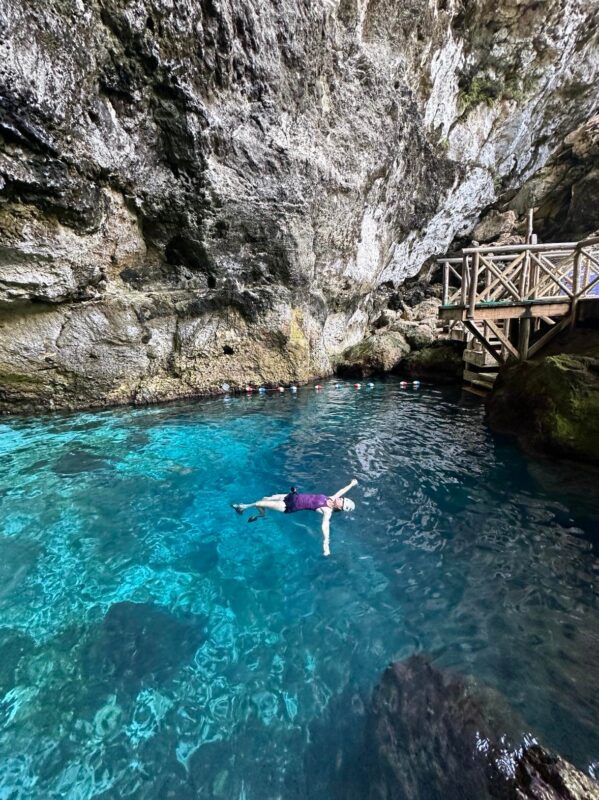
x: 381, y: 352
x: 551, y: 405
x: 213, y: 190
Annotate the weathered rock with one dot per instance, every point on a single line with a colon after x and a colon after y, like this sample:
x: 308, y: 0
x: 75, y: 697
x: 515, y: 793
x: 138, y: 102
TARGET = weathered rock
x: 496, y: 224
x: 202, y: 192
x: 551, y: 405
x: 541, y: 775
x: 441, y: 362
x: 416, y: 334
x: 381, y: 352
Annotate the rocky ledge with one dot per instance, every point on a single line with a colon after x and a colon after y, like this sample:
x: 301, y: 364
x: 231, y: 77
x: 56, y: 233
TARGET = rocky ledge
x: 551, y: 405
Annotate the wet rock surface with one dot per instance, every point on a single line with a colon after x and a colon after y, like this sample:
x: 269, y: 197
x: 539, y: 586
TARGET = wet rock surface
x: 213, y: 192
x: 551, y: 405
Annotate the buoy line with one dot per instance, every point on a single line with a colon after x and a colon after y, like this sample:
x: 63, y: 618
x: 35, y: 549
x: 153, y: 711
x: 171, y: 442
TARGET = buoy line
x: 250, y: 390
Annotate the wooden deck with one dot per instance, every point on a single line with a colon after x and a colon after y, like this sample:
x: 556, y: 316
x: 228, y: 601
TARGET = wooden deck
x: 508, y: 302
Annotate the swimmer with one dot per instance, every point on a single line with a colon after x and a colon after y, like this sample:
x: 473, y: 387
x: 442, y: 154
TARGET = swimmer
x: 289, y: 503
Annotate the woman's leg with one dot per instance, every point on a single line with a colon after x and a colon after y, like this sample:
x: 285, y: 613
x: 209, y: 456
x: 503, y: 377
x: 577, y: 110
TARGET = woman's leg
x: 275, y: 503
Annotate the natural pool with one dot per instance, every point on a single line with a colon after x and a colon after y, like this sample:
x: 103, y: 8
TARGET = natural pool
x: 156, y: 645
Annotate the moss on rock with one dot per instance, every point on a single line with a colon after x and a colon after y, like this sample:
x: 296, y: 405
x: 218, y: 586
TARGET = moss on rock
x: 439, y: 363
x: 551, y: 405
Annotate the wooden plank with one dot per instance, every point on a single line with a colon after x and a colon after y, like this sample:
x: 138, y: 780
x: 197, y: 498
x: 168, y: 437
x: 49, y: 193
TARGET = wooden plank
x: 542, y: 308
x: 502, y: 338
x: 516, y: 248
x: 473, y: 285
x: 478, y: 380
x: 478, y: 335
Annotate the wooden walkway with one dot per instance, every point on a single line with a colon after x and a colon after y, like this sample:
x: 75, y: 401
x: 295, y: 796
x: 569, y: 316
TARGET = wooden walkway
x: 507, y: 302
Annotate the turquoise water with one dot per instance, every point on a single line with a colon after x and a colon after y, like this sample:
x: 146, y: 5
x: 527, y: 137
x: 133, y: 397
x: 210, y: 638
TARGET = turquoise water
x: 156, y: 645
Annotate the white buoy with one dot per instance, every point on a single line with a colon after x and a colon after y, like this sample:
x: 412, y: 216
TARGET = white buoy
x: 225, y: 387
x: 371, y: 385
x: 415, y: 383
x: 262, y: 390
x: 293, y: 388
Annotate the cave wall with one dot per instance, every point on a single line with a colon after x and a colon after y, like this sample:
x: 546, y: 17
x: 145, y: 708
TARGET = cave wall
x: 213, y: 190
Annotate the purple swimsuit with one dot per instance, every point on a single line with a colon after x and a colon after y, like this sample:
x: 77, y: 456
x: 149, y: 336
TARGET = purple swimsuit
x: 304, y: 502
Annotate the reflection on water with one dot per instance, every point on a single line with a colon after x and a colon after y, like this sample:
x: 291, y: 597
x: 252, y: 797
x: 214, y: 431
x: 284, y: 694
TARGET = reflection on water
x: 155, y: 645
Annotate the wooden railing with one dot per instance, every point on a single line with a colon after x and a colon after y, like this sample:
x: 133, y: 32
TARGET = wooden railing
x: 521, y: 273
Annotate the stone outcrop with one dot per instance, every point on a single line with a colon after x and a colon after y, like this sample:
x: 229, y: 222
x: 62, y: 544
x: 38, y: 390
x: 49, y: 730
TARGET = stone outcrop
x: 208, y: 191
x: 551, y: 405
x: 379, y: 353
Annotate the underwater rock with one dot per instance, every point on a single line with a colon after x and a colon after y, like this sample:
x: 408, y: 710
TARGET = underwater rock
x: 551, y: 405
x: 441, y: 362
x: 431, y: 734
x: 76, y: 461
x: 140, y: 643
x: 16, y: 648
x: 381, y: 352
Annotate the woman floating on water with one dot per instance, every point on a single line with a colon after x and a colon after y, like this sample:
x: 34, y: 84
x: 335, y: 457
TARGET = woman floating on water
x: 294, y: 501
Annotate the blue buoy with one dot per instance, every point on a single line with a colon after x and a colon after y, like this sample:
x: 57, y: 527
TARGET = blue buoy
x: 293, y: 388
x: 262, y: 390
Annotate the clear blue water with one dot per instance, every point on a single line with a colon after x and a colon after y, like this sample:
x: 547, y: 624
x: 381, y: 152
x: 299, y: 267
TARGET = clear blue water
x: 156, y: 645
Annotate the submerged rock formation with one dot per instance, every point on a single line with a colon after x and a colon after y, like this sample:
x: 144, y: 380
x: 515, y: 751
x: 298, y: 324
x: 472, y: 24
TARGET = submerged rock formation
x: 213, y: 190
x: 551, y: 405
x: 435, y: 735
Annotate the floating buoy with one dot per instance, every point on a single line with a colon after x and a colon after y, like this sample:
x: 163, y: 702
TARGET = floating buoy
x: 318, y: 386
x: 281, y: 389
x: 370, y: 385
x: 225, y: 387
x: 293, y: 388
x: 403, y: 384
x: 249, y: 389
x: 415, y: 383
x: 337, y: 386
x: 357, y: 385
x: 262, y: 390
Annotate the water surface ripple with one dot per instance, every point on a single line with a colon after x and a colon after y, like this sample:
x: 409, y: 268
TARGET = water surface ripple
x: 156, y: 645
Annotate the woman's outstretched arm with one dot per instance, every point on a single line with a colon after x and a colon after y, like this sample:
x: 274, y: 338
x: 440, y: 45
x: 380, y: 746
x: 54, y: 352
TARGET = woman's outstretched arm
x: 345, y: 489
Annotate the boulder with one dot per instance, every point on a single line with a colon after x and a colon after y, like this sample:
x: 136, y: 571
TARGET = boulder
x: 417, y: 334
x: 551, y: 405
x: 441, y: 362
x: 381, y: 352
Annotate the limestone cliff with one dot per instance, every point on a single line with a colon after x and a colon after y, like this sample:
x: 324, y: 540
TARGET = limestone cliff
x: 212, y: 190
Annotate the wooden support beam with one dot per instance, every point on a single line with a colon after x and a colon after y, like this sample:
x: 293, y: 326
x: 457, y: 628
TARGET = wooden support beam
x: 496, y: 330
x: 507, y: 310
x: 479, y: 337
x: 538, y: 345
x: 523, y: 338
x: 473, y: 285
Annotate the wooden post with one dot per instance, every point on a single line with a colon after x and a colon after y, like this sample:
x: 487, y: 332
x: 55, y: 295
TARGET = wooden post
x: 524, y: 338
x: 473, y: 286
x: 529, y: 225
x: 575, y: 286
x: 465, y: 265
x: 445, y: 282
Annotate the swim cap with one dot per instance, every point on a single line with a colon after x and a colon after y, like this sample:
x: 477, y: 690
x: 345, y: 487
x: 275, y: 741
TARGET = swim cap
x: 348, y: 505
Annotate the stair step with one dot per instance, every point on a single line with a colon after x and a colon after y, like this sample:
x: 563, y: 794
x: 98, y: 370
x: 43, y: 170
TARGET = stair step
x: 484, y: 379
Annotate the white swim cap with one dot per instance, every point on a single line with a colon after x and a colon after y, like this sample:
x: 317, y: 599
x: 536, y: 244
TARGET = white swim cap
x: 348, y: 505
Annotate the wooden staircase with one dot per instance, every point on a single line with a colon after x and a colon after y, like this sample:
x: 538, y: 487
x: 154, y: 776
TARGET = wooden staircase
x: 508, y: 302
